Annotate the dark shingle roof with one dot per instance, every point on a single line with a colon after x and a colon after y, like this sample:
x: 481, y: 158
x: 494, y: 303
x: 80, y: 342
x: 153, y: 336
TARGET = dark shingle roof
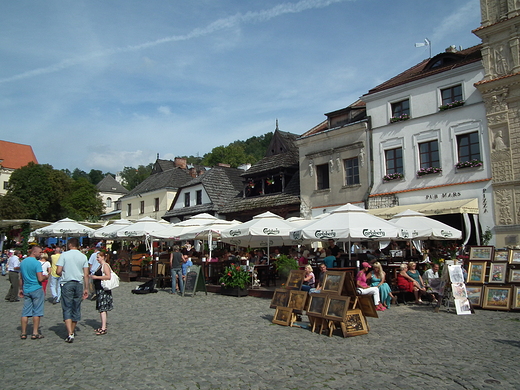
x: 425, y: 69
x: 171, y: 179
x: 109, y: 184
x: 220, y: 183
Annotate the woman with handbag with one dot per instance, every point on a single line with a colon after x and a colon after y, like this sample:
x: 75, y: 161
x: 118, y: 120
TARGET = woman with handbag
x: 104, y: 300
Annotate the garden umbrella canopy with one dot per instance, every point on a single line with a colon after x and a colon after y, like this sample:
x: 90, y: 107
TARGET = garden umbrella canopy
x: 348, y: 222
x: 109, y: 231
x: 192, y: 224
x: 264, y: 230
x: 417, y: 226
x: 210, y: 231
x: 64, y: 228
x: 141, y: 228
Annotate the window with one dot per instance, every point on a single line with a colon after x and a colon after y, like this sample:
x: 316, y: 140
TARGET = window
x: 187, y: 199
x: 468, y: 147
x: 6, y: 185
x: 322, y: 176
x: 141, y: 207
x: 109, y: 202
x: 199, y: 197
x: 352, y: 171
x: 156, y: 204
x: 128, y: 209
x: 400, y: 108
x: 429, y: 154
x: 394, y: 160
x: 452, y: 94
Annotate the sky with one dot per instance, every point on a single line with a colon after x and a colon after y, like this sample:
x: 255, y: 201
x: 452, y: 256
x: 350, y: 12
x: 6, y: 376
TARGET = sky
x: 106, y: 84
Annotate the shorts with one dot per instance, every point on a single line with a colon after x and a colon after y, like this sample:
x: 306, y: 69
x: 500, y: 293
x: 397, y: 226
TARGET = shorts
x: 33, y: 304
x: 71, y: 298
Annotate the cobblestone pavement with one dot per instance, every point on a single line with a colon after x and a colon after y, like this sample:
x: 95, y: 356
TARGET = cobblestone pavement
x: 160, y: 341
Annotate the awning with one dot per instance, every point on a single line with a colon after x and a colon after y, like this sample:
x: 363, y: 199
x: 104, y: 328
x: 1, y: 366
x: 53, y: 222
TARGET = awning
x: 17, y: 223
x: 461, y: 206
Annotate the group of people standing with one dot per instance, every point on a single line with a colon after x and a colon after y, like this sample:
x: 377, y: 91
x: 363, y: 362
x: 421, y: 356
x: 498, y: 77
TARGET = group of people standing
x: 70, y: 279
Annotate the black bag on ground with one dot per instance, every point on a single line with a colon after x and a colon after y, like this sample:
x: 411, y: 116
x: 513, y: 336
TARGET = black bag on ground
x: 145, y: 288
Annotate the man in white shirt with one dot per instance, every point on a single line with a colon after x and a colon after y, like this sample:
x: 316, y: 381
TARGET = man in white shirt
x: 432, y: 273
x: 13, y: 267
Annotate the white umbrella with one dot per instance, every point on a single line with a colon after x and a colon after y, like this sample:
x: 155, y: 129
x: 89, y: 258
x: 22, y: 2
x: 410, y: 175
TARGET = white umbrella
x: 64, y: 228
x: 348, y: 222
x: 142, y: 228
x: 210, y: 232
x: 192, y: 224
x: 417, y: 226
x: 109, y: 231
x: 265, y: 230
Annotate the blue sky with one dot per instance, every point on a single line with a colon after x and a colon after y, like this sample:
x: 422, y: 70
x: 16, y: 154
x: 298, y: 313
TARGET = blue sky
x: 107, y: 84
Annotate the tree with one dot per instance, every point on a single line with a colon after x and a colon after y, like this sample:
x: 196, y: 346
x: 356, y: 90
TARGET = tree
x: 78, y: 174
x: 232, y: 154
x: 132, y: 177
x: 82, y: 202
x: 95, y: 176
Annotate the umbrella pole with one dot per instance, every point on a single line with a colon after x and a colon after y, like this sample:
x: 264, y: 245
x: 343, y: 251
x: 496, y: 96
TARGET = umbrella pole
x: 210, y: 242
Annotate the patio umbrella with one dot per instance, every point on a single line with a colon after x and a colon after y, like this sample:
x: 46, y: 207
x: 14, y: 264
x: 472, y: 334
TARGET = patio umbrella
x: 142, y: 228
x: 64, y: 228
x: 109, y: 231
x: 417, y: 226
x: 210, y: 232
x: 348, y: 222
x: 192, y: 224
x: 264, y: 230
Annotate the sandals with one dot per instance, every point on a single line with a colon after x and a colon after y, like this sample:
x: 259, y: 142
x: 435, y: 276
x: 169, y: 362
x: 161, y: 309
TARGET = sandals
x: 98, y: 330
x: 23, y: 336
x: 37, y: 336
x: 101, y: 332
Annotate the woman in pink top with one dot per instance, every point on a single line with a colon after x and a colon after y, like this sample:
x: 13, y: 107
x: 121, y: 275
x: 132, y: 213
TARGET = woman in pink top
x: 364, y: 289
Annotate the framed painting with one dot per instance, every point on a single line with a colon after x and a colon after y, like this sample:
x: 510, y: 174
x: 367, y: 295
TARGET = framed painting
x: 349, y: 285
x: 481, y: 253
x: 497, y: 298
x: 514, y: 276
x: 333, y: 282
x: 355, y: 324
x: 514, y: 256
x: 516, y: 298
x: 462, y: 306
x: 475, y: 295
x: 295, y: 279
x: 366, y: 304
x: 476, y: 272
x: 336, y: 307
x: 283, y: 316
x: 459, y: 291
x: 497, y: 273
x: 280, y: 298
x: 316, y: 304
x: 501, y: 255
x: 297, y: 300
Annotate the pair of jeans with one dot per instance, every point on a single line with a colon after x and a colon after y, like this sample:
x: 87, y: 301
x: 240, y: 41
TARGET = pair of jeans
x: 55, y: 287
x: 71, y: 298
x: 12, y: 294
x: 177, y: 272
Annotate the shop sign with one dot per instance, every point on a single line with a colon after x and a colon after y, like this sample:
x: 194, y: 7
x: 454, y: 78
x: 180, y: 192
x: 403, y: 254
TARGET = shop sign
x: 444, y: 195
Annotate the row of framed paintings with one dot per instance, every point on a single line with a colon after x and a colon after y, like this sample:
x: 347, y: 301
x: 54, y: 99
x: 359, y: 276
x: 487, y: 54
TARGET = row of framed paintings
x: 497, y: 273
x: 489, y: 253
x: 494, y: 297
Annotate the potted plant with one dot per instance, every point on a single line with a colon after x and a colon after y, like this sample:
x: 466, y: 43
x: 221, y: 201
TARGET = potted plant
x: 393, y: 176
x: 234, y: 281
x: 399, y: 118
x: 283, y: 265
x: 456, y: 103
x: 469, y: 164
x: 428, y: 171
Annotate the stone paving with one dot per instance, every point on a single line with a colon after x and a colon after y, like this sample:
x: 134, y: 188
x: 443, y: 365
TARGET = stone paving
x: 160, y: 341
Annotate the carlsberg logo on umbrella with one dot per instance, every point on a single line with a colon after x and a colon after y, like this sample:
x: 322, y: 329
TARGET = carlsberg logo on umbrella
x: 373, y: 233
x: 271, y: 231
x: 234, y: 233
x: 321, y: 234
x: 445, y: 233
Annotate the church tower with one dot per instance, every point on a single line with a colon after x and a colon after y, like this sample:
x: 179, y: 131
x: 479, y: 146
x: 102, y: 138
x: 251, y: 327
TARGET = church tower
x: 500, y: 89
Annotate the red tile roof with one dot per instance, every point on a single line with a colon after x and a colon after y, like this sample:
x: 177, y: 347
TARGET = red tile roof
x: 424, y: 69
x: 15, y: 155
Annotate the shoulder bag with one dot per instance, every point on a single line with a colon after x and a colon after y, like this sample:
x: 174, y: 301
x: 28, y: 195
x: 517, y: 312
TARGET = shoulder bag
x: 111, y: 283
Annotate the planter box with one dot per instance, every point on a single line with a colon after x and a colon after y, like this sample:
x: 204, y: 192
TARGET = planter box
x: 234, y: 292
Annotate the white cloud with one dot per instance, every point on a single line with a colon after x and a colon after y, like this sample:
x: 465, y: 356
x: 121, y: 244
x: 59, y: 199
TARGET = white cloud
x: 165, y: 110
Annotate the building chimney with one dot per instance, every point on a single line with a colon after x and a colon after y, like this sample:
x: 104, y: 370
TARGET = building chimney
x: 180, y: 162
x: 193, y: 172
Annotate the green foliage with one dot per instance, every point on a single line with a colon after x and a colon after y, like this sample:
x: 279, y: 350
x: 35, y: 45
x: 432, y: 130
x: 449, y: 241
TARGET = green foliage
x: 37, y: 191
x: 95, y: 176
x: 256, y: 146
x: 79, y: 174
x: 132, y: 177
x: 487, y: 236
x: 284, y: 264
x: 234, y: 276
x: 233, y: 155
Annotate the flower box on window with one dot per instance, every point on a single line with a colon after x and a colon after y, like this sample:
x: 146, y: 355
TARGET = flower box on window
x: 428, y: 171
x: 399, y: 118
x: 469, y: 164
x: 393, y: 176
x: 456, y: 103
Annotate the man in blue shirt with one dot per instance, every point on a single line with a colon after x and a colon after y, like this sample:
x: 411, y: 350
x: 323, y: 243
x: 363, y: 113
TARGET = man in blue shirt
x: 32, y: 292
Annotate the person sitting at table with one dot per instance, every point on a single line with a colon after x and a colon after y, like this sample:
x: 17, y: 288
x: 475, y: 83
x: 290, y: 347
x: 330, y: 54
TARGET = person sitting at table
x: 416, y: 276
x: 309, y: 281
x: 364, y: 289
x: 406, y: 283
x: 378, y: 277
x: 329, y: 259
